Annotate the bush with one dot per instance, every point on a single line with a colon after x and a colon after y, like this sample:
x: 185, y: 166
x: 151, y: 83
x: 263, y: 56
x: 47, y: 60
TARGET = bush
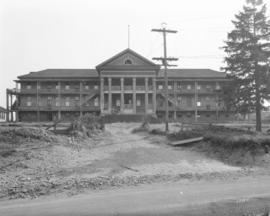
x: 86, y: 125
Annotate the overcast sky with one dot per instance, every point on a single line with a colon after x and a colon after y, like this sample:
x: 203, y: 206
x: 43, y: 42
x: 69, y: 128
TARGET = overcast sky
x: 41, y: 34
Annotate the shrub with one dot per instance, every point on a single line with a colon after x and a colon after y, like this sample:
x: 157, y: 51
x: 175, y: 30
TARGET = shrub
x: 86, y: 125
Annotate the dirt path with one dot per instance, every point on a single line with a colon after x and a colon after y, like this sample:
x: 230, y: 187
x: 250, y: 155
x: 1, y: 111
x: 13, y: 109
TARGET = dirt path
x: 172, y: 199
x: 149, y: 155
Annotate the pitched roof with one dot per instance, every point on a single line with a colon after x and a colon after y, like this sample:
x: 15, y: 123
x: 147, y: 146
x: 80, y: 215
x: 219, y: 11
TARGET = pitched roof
x: 92, y: 73
x: 192, y: 73
x: 61, y: 73
x: 130, y: 51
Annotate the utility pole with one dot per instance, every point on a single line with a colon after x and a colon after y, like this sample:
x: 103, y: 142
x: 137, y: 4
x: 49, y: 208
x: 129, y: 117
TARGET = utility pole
x: 164, y: 60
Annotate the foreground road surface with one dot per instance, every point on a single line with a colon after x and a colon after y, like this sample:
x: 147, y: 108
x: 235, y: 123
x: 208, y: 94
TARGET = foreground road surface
x: 154, y: 199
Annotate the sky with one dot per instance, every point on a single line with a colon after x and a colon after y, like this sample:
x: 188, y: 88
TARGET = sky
x: 41, y: 34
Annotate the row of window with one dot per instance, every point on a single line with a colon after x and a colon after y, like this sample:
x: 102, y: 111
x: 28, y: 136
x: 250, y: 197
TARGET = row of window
x: 96, y: 87
x: 66, y: 87
x: 66, y: 103
x: 189, y: 87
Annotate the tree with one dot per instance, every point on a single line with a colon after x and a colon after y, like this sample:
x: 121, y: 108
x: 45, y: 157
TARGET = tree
x: 247, y: 59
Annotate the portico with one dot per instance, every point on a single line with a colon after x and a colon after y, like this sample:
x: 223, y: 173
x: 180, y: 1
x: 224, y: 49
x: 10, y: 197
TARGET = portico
x: 127, y: 95
x: 128, y: 84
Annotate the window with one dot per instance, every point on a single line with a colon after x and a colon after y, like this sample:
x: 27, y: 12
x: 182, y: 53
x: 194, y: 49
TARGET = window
x: 199, y: 103
x: 128, y: 61
x: 28, y: 86
x: 77, y: 98
x: 29, y: 103
x: 57, y: 103
x: 38, y: 86
x: 57, y: 87
x: 198, y: 87
x: 86, y: 87
x: 67, y: 103
x: 188, y: 87
x: 95, y: 87
x: 96, y: 103
x: 160, y: 86
x: 118, y: 102
x: 217, y: 87
x: 178, y: 85
x: 67, y: 87
x: 189, y: 101
x: 169, y: 86
x: 138, y: 103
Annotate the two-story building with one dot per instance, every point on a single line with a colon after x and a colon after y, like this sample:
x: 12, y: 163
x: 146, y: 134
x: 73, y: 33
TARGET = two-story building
x: 126, y: 84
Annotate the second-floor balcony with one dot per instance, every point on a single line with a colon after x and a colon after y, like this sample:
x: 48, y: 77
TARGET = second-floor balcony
x: 57, y: 108
x: 127, y: 88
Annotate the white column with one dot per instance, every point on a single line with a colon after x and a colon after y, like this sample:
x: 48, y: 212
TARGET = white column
x: 110, y: 95
x: 146, y: 95
x: 122, y: 95
x: 154, y: 98
x: 101, y: 101
x: 134, y: 95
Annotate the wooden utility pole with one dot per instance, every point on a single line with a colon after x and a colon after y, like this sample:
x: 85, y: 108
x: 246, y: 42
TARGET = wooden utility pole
x: 164, y: 60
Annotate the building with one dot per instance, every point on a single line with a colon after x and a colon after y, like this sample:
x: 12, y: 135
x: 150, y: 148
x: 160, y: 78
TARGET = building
x: 126, y: 84
x: 2, y: 114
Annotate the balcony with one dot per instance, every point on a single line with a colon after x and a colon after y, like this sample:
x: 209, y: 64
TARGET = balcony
x: 48, y: 91
x: 128, y: 88
x: 56, y: 108
x: 27, y: 108
x: 28, y: 91
x: 70, y: 91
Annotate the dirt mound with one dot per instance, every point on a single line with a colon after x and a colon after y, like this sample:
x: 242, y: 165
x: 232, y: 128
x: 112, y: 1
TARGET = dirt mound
x: 236, y: 149
x: 21, y: 134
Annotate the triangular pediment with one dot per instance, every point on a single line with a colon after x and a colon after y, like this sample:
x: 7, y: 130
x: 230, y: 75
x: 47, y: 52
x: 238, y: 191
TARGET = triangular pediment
x: 127, y: 59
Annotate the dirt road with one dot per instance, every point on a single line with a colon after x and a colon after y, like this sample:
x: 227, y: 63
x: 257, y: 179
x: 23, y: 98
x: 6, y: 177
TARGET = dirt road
x: 159, y: 199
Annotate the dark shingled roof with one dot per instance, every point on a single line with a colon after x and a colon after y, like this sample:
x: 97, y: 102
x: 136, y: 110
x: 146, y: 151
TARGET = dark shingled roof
x: 61, y: 73
x: 92, y: 73
x: 193, y: 73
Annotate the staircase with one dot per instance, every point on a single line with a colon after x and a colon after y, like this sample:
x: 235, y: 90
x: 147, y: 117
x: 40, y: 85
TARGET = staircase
x: 89, y: 97
x: 171, y: 99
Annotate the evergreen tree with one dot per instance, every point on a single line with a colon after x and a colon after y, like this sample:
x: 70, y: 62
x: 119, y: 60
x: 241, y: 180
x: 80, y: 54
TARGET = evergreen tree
x: 248, y: 58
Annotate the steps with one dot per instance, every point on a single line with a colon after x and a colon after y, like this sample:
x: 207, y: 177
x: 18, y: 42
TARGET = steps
x: 111, y: 118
